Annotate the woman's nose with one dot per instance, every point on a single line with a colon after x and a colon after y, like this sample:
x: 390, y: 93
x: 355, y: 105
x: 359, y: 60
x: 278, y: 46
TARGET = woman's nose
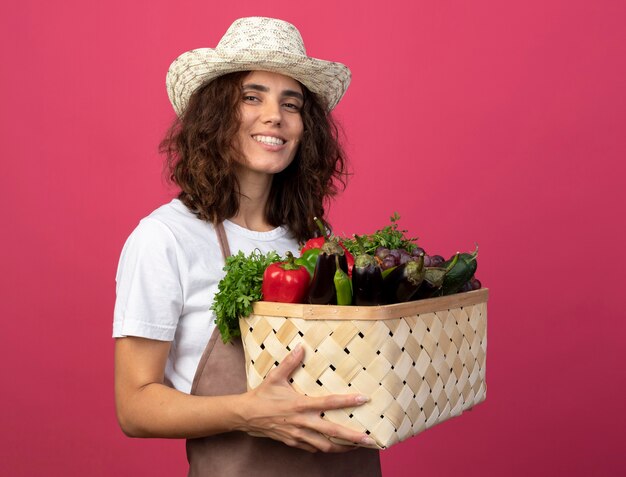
x: 272, y: 112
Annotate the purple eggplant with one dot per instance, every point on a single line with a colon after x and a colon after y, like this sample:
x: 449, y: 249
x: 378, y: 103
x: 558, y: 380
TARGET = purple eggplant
x: 404, y: 281
x: 367, y: 279
x: 322, y: 289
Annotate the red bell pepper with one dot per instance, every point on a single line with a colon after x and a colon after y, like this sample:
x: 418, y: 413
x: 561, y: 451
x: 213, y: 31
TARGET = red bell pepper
x: 310, y: 244
x: 285, y: 282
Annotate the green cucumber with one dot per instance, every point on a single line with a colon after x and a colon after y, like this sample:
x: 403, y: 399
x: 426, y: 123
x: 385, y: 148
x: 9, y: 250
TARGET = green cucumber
x: 460, y: 273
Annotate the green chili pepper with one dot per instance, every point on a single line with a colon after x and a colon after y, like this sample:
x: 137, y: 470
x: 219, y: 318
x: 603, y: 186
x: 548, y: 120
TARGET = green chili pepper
x: 343, y: 286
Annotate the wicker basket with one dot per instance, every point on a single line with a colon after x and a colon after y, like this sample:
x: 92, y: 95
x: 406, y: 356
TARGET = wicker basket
x: 420, y: 362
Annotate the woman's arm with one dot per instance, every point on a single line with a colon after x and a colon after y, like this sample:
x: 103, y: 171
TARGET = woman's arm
x: 148, y: 408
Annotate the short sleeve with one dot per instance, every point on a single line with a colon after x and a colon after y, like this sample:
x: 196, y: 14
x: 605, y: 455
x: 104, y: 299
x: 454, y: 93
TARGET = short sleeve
x: 149, y: 297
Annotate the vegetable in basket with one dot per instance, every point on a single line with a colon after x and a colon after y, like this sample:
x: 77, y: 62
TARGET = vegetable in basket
x: 318, y: 242
x: 240, y: 287
x: 367, y: 278
x: 461, y: 273
x: 313, y: 244
x: 473, y: 284
x: 343, y: 285
x: 404, y: 280
x: 322, y: 290
x: 389, y: 238
x: 308, y: 259
x: 285, y: 282
x: 434, y: 277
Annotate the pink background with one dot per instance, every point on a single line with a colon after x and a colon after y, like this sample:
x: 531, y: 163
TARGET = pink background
x: 487, y: 121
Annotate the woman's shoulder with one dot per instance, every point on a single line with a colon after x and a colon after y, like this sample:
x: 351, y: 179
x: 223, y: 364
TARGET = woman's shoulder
x: 170, y: 226
x: 177, y: 218
x: 173, y: 233
x: 172, y: 212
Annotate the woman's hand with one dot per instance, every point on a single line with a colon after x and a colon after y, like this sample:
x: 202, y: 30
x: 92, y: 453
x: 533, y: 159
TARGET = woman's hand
x: 275, y: 410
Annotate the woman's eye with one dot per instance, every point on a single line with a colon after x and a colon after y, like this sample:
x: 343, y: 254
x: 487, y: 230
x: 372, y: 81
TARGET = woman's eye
x: 292, y: 106
x: 250, y: 98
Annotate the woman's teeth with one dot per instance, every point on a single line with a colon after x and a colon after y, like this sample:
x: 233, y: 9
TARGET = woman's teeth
x: 269, y: 140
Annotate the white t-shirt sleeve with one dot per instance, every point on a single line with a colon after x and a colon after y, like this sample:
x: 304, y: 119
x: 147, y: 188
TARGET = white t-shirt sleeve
x: 149, y: 297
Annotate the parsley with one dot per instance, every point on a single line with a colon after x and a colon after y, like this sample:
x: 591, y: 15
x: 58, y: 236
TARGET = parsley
x: 240, y: 287
x: 390, y: 237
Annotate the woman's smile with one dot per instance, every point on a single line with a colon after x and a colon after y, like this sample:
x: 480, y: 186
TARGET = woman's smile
x: 269, y: 140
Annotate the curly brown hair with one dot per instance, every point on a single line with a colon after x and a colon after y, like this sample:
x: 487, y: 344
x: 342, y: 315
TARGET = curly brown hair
x: 202, y: 154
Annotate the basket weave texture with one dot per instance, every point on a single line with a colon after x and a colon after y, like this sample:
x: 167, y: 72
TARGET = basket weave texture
x: 420, y: 363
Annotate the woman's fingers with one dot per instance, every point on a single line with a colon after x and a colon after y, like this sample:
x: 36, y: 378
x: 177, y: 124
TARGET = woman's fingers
x: 288, y: 366
x: 326, y: 429
x: 335, y: 401
x: 313, y: 441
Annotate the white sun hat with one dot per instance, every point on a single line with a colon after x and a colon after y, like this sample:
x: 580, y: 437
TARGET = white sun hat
x: 256, y: 43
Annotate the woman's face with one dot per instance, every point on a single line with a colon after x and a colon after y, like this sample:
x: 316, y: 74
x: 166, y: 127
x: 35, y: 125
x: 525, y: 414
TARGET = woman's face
x: 271, y: 122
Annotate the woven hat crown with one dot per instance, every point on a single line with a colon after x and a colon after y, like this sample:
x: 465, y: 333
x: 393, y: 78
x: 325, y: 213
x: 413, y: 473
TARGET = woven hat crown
x: 265, y: 34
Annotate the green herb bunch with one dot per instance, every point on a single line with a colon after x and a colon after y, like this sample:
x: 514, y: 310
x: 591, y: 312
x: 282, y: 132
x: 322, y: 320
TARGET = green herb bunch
x: 391, y: 237
x: 240, y: 287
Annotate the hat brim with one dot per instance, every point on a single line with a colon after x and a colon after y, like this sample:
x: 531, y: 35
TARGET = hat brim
x: 190, y: 70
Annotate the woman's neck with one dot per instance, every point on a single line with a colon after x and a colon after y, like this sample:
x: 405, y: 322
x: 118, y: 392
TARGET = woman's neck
x: 254, y: 193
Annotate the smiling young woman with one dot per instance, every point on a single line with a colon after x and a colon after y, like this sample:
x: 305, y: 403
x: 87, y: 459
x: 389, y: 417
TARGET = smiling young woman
x: 255, y: 153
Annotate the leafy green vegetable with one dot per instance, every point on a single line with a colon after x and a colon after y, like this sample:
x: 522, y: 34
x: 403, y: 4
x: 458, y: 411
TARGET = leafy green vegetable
x: 240, y: 287
x: 390, y: 237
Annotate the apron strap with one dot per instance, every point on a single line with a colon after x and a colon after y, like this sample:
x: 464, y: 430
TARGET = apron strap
x: 223, y: 241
